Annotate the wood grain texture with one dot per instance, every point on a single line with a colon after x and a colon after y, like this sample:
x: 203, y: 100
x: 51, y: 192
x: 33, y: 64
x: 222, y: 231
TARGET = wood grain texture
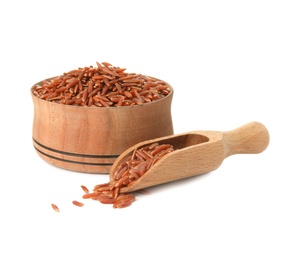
x: 89, y: 139
x: 197, y: 152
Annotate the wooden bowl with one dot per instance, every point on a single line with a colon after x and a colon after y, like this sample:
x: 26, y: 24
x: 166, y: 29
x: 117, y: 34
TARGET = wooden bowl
x: 89, y: 139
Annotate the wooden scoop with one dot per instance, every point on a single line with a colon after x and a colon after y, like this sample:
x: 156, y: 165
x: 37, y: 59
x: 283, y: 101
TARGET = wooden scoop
x: 196, y: 153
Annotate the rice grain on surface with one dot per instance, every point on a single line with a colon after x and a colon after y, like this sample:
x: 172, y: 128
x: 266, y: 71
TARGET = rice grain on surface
x: 77, y: 203
x: 55, y: 208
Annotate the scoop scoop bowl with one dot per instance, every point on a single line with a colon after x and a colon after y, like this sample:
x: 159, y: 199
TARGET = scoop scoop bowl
x: 196, y: 152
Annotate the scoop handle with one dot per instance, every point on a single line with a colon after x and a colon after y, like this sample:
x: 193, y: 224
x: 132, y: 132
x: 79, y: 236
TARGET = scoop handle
x: 250, y: 138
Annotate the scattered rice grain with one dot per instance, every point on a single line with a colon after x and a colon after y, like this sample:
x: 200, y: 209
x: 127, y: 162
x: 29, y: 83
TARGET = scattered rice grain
x: 77, y: 203
x: 55, y: 208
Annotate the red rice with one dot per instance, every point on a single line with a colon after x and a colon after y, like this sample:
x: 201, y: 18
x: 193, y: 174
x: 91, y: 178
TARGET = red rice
x: 127, y: 173
x: 111, y: 86
x: 77, y: 203
x: 85, y: 189
x: 55, y: 208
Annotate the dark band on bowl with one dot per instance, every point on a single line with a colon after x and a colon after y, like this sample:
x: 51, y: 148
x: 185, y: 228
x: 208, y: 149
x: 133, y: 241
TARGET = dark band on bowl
x: 68, y: 157
x: 75, y: 154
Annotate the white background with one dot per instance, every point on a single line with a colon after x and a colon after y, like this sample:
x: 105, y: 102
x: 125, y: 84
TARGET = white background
x: 227, y: 62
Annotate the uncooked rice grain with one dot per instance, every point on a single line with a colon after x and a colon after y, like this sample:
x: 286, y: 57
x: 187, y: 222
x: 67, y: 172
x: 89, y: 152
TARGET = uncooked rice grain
x: 55, y: 208
x: 101, y: 86
x: 129, y: 171
x: 85, y: 189
x: 77, y: 203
